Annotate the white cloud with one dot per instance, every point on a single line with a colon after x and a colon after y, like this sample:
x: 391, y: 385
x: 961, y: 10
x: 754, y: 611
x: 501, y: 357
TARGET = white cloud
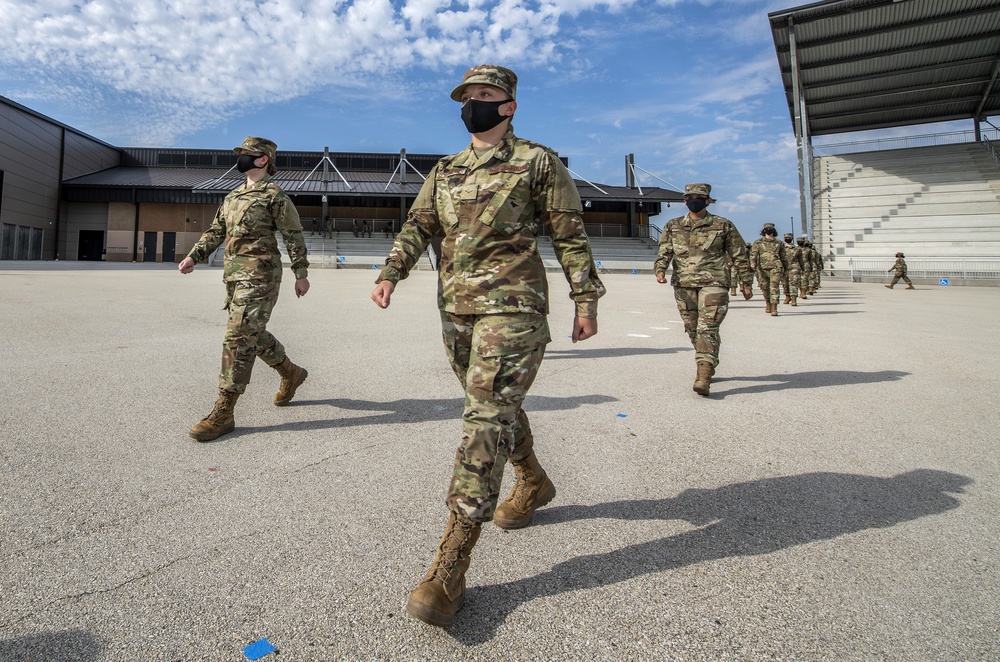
x: 191, y: 63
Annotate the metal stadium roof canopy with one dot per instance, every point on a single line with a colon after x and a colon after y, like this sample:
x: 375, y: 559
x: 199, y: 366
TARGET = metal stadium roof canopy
x: 852, y: 65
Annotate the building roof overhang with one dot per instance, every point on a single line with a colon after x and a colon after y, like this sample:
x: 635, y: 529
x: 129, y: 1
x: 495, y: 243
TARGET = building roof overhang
x: 869, y: 64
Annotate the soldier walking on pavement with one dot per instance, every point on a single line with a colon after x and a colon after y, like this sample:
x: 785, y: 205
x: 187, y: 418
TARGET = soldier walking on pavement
x: 487, y: 205
x: 701, y: 246
x: 769, y: 261
x: 808, y: 264
x: 246, y: 221
x: 900, y: 268
x: 793, y: 277
x: 817, y: 273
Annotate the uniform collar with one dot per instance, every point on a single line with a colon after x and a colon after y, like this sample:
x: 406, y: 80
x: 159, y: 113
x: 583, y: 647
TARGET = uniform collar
x: 695, y: 222
x: 502, y: 151
x: 255, y: 186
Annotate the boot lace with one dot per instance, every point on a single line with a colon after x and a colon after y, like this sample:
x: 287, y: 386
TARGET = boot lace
x: 449, y: 553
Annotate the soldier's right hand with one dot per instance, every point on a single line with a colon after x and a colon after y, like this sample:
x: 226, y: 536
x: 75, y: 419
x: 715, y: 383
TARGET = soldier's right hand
x: 661, y: 277
x: 186, y: 266
x: 382, y: 293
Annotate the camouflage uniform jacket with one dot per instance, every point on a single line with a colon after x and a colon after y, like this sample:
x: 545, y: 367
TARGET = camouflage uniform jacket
x: 490, y: 210
x: 795, y: 257
x: 247, y: 220
x: 808, y: 258
x: 768, y: 254
x: 701, y: 251
x: 818, y: 260
x: 899, y: 267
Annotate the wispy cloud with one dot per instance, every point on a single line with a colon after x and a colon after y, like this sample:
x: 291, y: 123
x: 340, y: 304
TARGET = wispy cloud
x: 192, y: 62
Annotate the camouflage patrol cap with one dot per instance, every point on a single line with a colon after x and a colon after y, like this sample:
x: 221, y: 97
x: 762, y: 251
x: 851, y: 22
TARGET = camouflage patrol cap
x: 488, y: 74
x: 769, y: 225
x: 699, y: 189
x: 788, y: 235
x: 900, y: 255
x: 256, y: 145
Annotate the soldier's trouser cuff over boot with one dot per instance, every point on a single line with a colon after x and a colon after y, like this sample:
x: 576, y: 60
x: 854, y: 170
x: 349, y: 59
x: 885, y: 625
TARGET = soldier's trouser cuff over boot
x: 219, y: 422
x: 441, y: 593
x: 292, y: 377
x: 531, y: 491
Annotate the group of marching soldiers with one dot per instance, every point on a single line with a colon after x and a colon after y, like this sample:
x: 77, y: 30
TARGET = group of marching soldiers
x: 796, y: 268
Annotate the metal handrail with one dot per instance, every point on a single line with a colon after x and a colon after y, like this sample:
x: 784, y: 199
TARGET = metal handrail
x: 968, y: 268
x: 905, y: 142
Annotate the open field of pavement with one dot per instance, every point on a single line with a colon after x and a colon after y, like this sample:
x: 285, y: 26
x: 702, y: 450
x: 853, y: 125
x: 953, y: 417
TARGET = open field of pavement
x: 835, y: 498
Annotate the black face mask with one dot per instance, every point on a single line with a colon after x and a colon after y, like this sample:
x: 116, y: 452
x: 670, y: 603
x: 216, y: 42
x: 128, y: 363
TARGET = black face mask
x: 696, y: 204
x: 482, y: 116
x: 245, y: 162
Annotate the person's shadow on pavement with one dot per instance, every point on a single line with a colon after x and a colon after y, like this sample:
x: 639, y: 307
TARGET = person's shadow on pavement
x: 745, y: 519
x: 797, y: 380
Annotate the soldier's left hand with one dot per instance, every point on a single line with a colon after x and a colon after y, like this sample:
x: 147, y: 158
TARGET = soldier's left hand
x: 301, y: 287
x: 583, y: 328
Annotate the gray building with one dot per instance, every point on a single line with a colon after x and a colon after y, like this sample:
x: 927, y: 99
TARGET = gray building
x: 68, y: 196
x: 36, y: 155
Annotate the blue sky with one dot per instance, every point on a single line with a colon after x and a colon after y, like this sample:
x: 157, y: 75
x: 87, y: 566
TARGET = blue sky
x: 691, y: 87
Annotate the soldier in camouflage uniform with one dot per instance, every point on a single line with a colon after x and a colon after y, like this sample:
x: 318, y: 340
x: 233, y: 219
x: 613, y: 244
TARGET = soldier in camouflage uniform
x: 487, y: 205
x: 816, y: 262
x: 808, y: 264
x: 900, y: 268
x: 793, y: 277
x: 701, y: 247
x: 818, y: 271
x: 769, y: 261
x: 246, y: 221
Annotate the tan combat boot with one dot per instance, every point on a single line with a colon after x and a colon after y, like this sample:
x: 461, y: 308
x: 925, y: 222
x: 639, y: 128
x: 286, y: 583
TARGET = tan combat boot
x: 774, y: 308
x: 802, y: 294
x: 889, y: 286
x: 788, y: 298
x: 732, y: 291
x: 292, y: 377
x: 704, y: 378
x: 441, y: 592
x: 910, y: 287
x: 219, y: 422
x: 792, y: 302
x: 532, y: 490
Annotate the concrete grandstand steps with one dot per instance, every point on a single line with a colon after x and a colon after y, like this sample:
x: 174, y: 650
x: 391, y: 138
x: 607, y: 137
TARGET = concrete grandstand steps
x: 930, y: 201
x: 615, y: 254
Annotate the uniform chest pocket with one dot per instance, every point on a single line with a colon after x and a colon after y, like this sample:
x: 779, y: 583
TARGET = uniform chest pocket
x: 507, y: 210
x: 712, y: 240
x: 252, y: 218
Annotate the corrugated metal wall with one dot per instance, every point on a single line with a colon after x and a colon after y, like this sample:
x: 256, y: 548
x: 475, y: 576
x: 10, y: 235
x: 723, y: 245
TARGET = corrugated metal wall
x: 31, y: 153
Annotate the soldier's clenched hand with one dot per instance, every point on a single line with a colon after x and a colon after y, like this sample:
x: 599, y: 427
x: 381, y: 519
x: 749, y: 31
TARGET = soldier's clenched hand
x: 382, y: 293
x: 301, y: 287
x: 186, y: 266
x: 661, y: 277
x: 747, y: 292
x: 583, y: 328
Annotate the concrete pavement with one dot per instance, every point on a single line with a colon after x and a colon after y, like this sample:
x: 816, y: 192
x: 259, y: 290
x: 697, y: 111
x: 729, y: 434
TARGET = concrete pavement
x: 835, y: 498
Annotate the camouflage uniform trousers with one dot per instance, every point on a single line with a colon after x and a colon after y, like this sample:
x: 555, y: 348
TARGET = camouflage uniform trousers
x: 702, y: 309
x: 901, y: 274
x: 769, y: 281
x: 249, y: 304
x: 496, y: 358
x: 806, y: 283
x: 792, y: 281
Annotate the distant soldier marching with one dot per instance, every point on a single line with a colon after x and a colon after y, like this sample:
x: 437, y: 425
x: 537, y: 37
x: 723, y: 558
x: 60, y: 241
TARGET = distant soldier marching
x: 247, y: 221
